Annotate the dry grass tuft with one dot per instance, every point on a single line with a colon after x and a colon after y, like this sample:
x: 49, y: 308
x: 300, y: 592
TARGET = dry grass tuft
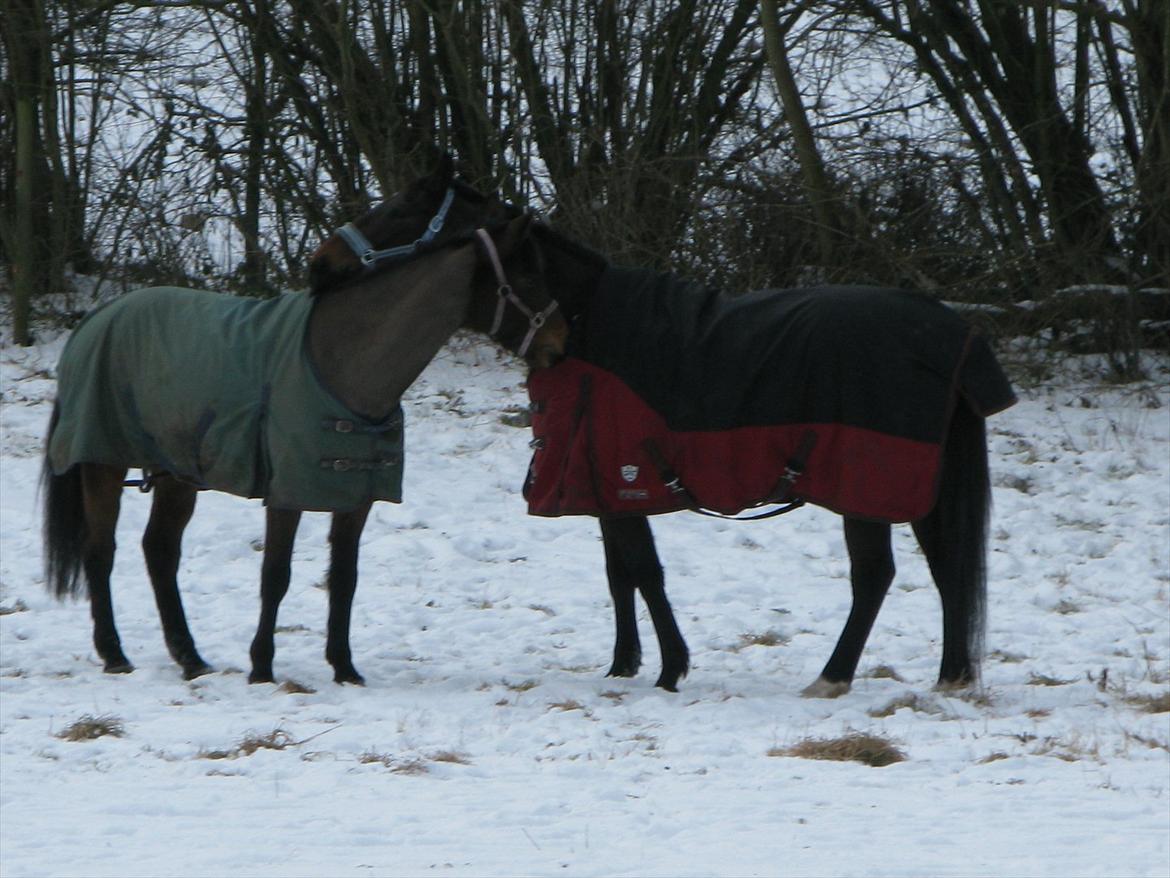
x: 1150, y: 703
x: 90, y: 728
x: 277, y: 739
x: 1152, y: 743
x: 410, y: 766
x: 855, y: 747
x: 912, y: 701
x: 994, y: 756
x: 885, y: 672
x: 452, y: 756
x: 413, y: 765
x: 292, y: 687
x: 1045, y: 680
x: 566, y: 705
x: 765, y: 638
x: 520, y: 687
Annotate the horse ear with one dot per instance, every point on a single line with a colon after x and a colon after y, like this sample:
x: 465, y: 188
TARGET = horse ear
x: 512, y: 234
x: 436, y: 182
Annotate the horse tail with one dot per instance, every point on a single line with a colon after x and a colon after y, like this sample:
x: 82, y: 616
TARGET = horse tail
x: 964, y: 510
x: 65, y: 528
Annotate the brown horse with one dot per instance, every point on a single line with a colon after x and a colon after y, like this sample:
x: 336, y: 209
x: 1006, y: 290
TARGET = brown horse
x: 358, y: 347
x: 587, y: 323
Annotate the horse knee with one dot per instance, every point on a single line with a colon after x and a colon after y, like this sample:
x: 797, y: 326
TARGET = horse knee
x: 158, y: 544
x: 871, y: 555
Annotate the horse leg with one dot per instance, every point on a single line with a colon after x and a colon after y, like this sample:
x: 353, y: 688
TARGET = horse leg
x: 280, y: 530
x: 627, y: 647
x: 871, y: 560
x: 174, y: 502
x: 631, y: 561
x: 102, y: 499
x: 344, y: 535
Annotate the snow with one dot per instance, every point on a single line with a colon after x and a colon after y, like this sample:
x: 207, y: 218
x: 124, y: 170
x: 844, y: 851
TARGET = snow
x: 488, y: 741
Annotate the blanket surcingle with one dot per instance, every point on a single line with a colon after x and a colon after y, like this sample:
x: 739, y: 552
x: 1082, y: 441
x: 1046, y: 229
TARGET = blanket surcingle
x: 218, y: 390
x: 851, y: 387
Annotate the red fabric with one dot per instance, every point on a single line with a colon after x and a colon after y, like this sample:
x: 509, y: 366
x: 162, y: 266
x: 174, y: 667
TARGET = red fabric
x: 590, y: 430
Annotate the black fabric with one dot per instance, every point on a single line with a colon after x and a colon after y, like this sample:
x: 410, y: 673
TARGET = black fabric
x: 882, y: 359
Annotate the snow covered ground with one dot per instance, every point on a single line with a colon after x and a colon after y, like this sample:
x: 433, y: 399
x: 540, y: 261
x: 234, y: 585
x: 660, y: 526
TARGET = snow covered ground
x: 488, y: 741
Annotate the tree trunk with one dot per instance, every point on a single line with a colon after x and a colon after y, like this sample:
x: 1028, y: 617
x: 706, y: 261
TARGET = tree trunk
x: 254, y: 272
x: 817, y: 188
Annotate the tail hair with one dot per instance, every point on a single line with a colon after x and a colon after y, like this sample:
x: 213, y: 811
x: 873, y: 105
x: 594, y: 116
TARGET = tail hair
x: 965, y: 510
x: 65, y: 528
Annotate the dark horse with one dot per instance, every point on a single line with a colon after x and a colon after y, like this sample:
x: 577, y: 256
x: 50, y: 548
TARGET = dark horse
x: 303, y: 370
x: 805, y: 428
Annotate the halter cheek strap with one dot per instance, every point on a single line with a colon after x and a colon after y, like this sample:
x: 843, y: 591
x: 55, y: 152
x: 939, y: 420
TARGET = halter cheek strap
x: 370, y: 257
x: 505, y: 293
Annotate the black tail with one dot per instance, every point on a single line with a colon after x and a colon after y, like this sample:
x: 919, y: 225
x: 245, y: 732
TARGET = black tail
x: 64, y: 528
x: 964, y: 510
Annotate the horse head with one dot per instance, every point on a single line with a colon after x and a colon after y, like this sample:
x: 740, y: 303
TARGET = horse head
x: 511, y: 300
x: 433, y: 210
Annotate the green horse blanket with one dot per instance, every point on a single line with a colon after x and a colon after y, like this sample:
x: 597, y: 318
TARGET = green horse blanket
x: 218, y: 390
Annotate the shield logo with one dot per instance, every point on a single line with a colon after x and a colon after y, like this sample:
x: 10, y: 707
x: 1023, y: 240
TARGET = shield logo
x: 629, y: 473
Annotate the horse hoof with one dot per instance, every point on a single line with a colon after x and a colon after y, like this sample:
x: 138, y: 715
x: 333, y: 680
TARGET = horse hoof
x: 670, y: 676
x: 190, y: 672
x: 261, y: 677
x: 118, y: 667
x: 626, y: 665
x: 351, y: 676
x: 822, y: 688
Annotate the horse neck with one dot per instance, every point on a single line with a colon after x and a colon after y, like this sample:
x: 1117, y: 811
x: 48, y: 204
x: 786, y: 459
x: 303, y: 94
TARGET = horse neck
x: 574, y: 274
x: 370, y: 339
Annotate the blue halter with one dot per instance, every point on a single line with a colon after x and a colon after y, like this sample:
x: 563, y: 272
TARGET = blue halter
x: 370, y: 257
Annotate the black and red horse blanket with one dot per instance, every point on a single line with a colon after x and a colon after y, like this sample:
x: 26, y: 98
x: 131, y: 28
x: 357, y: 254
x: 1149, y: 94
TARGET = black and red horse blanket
x: 852, y: 386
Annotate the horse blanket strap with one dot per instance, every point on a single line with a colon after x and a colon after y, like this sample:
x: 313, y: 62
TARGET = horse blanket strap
x: 780, y: 494
x: 370, y: 257
x: 675, y: 397
x: 144, y: 485
x: 506, y: 295
x: 218, y: 390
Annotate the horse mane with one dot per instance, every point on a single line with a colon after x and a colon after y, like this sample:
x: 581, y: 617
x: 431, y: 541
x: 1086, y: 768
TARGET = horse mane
x: 551, y: 238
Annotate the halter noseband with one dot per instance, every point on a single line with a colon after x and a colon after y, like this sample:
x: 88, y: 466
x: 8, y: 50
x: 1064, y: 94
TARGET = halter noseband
x: 370, y: 257
x: 536, y: 319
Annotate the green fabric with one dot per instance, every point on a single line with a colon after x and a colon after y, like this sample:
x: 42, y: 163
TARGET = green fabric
x: 218, y: 390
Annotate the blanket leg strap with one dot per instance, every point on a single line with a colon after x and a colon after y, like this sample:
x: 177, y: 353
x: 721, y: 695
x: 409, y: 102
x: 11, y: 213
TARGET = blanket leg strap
x: 782, y: 493
x: 144, y: 484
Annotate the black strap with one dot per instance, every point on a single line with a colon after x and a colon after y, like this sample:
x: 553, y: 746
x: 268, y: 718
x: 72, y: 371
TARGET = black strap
x: 348, y: 425
x: 144, y: 484
x: 793, y: 470
x: 349, y: 464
